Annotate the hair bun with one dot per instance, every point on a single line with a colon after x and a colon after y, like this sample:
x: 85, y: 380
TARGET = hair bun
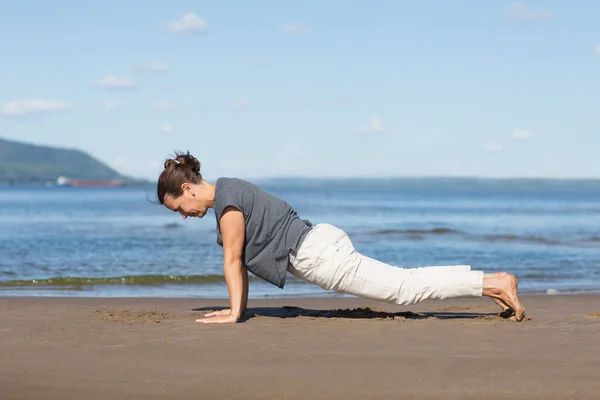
x: 184, y: 159
x: 170, y: 163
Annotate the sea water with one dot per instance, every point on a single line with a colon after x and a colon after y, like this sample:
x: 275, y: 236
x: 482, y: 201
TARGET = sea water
x: 116, y: 242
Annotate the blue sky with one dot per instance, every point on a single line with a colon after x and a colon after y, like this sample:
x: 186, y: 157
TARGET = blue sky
x: 311, y: 88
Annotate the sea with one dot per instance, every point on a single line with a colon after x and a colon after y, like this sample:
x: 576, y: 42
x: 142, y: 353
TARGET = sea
x: 118, y: 242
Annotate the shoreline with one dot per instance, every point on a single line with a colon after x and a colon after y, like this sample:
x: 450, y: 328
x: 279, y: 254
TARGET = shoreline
x: 317, y: 293
x: 296, y: 348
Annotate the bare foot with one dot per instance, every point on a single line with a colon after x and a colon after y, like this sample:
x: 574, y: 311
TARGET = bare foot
x: 507, y: 312
x: 503, y: 287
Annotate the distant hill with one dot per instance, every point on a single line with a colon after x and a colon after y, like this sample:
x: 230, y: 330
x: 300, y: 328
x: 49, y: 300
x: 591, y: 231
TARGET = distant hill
x: 22, y: 163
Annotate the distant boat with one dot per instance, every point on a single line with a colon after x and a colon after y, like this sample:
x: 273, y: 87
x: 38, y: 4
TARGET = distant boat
x: 63, y: 181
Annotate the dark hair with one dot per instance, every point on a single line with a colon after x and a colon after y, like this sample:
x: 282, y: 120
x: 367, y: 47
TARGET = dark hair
x: 182, y: 168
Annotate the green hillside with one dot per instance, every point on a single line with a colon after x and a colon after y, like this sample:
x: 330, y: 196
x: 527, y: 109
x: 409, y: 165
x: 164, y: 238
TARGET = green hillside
x: 22, y: 163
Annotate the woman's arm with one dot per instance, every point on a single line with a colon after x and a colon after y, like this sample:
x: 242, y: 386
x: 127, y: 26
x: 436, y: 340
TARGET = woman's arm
x: 245, y: 291
x: 232, y: 230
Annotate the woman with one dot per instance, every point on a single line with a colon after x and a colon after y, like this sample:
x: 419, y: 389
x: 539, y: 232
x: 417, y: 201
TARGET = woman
x: 263, y: 234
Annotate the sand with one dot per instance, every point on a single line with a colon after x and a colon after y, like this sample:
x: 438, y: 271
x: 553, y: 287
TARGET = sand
x: 70, y: 348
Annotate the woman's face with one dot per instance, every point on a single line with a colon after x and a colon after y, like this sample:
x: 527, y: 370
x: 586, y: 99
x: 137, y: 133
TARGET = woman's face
x: 188, y: 204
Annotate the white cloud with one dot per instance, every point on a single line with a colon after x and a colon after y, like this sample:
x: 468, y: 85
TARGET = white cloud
x: 598, y: 50
x: 114, y: 82
x: 166, y: 128
x: 20, y: 108
x: 111, y: 105
x: 253, y: 60
x: 189, y: 23
x: 521, y: 134
x: 241, y: 104
x: 521, y: 12
x: 492, y: 147
x: 295, y: 29
x: 164, y: 106
x: 156, y: 67
x: 375, y: 127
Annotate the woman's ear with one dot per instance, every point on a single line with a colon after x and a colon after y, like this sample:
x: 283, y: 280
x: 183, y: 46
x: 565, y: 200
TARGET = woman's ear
x: 187, y: 188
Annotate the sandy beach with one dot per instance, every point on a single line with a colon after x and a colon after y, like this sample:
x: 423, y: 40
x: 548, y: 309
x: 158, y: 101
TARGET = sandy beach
x: 93, y: 348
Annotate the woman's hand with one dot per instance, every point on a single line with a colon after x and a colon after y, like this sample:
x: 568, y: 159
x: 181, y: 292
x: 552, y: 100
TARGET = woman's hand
x: 219, y: 317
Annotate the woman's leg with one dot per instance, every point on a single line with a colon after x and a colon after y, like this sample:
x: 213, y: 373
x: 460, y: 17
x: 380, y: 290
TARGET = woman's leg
x: 507, y: 311
x: 328, y: 259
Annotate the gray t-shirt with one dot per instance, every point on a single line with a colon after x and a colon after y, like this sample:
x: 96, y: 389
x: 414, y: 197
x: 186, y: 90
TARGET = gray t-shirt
x: 273, y: 228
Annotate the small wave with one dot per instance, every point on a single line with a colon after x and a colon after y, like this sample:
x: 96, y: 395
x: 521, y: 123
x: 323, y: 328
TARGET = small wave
x: 525, y: 239
x: 173, y: 225
x: 434, y: 231
x: 549, y: 276
x: 440, y: 232
x: 139, y: 280
x: 117, y: 280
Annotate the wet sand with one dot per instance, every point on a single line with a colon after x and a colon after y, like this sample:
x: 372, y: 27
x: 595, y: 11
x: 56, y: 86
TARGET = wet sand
x: 69, y: 348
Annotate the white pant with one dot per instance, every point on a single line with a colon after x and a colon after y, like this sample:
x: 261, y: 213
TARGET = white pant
x: 328, y: 259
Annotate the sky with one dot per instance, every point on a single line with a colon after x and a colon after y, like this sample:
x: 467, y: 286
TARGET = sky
x: 309, y: 89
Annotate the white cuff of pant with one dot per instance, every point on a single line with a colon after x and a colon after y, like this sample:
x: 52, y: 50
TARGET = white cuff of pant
x: 465, y: 284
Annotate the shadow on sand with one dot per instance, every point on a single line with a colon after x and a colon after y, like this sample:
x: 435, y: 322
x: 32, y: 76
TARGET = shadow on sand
x: 355, y: 313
